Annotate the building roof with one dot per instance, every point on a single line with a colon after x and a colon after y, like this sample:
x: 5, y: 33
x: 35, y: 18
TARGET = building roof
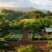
x: 48, y: 29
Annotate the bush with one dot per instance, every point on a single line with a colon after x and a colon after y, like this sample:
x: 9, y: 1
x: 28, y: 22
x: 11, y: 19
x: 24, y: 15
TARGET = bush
x: 35, y: 38
x: 28, y: 48
x: 43, y: 38
x: 50, y: 39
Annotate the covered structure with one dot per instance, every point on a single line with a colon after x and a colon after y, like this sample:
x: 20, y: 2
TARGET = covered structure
x: 48, y: 30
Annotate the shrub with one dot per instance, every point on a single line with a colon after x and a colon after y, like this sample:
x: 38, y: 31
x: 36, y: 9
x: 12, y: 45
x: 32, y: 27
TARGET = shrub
x: 28, y: 48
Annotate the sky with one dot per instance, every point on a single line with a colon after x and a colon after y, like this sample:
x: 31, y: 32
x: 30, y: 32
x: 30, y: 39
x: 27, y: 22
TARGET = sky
x: 39, y: 4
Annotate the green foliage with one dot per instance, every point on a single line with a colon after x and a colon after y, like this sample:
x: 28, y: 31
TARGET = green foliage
x: 33, y: 20
x: 28, y: 48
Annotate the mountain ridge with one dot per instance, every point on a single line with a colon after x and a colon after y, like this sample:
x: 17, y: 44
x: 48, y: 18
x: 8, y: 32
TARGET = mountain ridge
x: 23, y: 9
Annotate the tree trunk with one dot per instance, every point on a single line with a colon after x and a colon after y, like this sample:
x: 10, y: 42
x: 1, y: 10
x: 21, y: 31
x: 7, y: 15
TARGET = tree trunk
x: 33, y: 36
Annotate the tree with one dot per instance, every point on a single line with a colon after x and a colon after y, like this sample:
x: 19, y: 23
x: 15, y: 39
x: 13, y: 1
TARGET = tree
x: 30, y: 24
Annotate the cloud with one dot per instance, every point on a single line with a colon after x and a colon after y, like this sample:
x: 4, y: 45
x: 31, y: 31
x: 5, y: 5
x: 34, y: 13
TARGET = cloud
x: 7, y: 3
x: 39, y: 4
x: 15, y: 3
x: 42, y: 2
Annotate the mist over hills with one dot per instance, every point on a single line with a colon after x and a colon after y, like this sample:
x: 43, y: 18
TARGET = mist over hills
x: 19, y: 8
x: 23, y: 9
